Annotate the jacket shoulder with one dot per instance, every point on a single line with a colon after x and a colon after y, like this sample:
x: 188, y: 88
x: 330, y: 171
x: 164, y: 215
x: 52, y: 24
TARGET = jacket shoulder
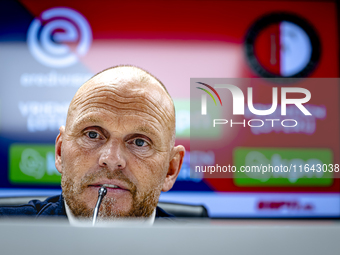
x: 160, y: 213
x: 35, y: 207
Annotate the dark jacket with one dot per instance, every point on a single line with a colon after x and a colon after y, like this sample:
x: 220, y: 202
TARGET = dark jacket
x: 52, y: 207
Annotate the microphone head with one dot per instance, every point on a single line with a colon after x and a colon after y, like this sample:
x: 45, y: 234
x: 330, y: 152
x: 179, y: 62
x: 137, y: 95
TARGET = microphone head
x: 102, y: 191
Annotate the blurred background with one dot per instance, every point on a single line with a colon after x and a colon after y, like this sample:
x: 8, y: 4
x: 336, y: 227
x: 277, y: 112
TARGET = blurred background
x: 49, y: 48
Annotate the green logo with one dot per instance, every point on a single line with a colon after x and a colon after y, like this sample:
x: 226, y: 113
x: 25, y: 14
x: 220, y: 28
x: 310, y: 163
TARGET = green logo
x: 283, y: 167
x: 32, y: 164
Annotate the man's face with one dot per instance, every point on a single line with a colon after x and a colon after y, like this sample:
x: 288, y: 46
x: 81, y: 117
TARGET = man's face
x: 119, y: 134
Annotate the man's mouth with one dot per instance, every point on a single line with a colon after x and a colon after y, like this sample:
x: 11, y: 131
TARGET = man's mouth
x: 110, y: 187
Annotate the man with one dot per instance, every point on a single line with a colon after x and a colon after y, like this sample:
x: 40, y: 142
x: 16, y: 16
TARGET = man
x: 119, y: 133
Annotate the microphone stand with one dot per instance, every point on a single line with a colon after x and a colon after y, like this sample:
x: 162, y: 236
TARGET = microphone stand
x: 101, y: 193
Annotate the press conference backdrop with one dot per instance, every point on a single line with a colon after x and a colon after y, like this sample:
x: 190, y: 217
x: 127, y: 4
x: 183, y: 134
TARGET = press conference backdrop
x: 49, y: 48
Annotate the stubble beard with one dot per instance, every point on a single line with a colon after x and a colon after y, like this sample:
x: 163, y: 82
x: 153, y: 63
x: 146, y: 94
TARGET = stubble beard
x: 143, y: 203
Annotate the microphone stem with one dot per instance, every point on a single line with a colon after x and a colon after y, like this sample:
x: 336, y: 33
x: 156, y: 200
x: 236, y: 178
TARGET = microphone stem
x: 101, y: 194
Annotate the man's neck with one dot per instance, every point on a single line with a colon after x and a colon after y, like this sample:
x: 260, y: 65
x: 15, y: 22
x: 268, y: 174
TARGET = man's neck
x: 74, y: 221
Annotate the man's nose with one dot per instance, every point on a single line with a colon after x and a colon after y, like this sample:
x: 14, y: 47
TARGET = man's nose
x: 112, y: 156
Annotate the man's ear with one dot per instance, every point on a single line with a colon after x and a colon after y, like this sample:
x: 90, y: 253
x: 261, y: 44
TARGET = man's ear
x: 174, y: 167
x: 58, y: 143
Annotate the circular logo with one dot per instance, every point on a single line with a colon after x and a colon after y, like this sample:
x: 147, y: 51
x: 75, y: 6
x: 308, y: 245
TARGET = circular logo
x: 51, y: 36
x: 282, y: 45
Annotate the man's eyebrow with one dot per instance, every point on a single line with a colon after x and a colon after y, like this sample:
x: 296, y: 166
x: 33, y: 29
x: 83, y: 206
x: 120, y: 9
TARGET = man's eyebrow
x: 81, y: 121
x: 144, y: 129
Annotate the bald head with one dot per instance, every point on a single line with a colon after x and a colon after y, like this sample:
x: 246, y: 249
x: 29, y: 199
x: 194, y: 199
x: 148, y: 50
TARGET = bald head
x: 133, y: 71
x: 128, y: 87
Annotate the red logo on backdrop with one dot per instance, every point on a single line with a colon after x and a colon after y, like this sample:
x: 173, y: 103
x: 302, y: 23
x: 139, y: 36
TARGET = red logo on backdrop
x: 282, y: 45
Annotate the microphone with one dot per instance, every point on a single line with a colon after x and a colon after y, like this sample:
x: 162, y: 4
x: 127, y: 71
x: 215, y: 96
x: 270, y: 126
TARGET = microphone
x: 101, y: 193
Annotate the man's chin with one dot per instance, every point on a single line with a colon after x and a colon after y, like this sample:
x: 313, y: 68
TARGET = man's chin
x: 111, y: 207
x: 115, y: 208
x: 115, y: 204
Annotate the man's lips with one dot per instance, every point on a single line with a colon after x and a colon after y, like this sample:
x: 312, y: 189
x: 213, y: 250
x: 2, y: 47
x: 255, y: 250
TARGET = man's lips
x: 110, y: 186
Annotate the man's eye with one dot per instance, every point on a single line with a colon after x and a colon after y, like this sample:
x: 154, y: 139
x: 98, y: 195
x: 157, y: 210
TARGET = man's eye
x: 93, y: 135
x: 140, y: 142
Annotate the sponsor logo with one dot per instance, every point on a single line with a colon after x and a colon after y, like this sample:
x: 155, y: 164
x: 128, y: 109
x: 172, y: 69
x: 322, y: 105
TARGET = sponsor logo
x: 47, y: 37
x: 284, y: 205
x: 283, y: 167
x: 43, y: 116
x: 33, y: 164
